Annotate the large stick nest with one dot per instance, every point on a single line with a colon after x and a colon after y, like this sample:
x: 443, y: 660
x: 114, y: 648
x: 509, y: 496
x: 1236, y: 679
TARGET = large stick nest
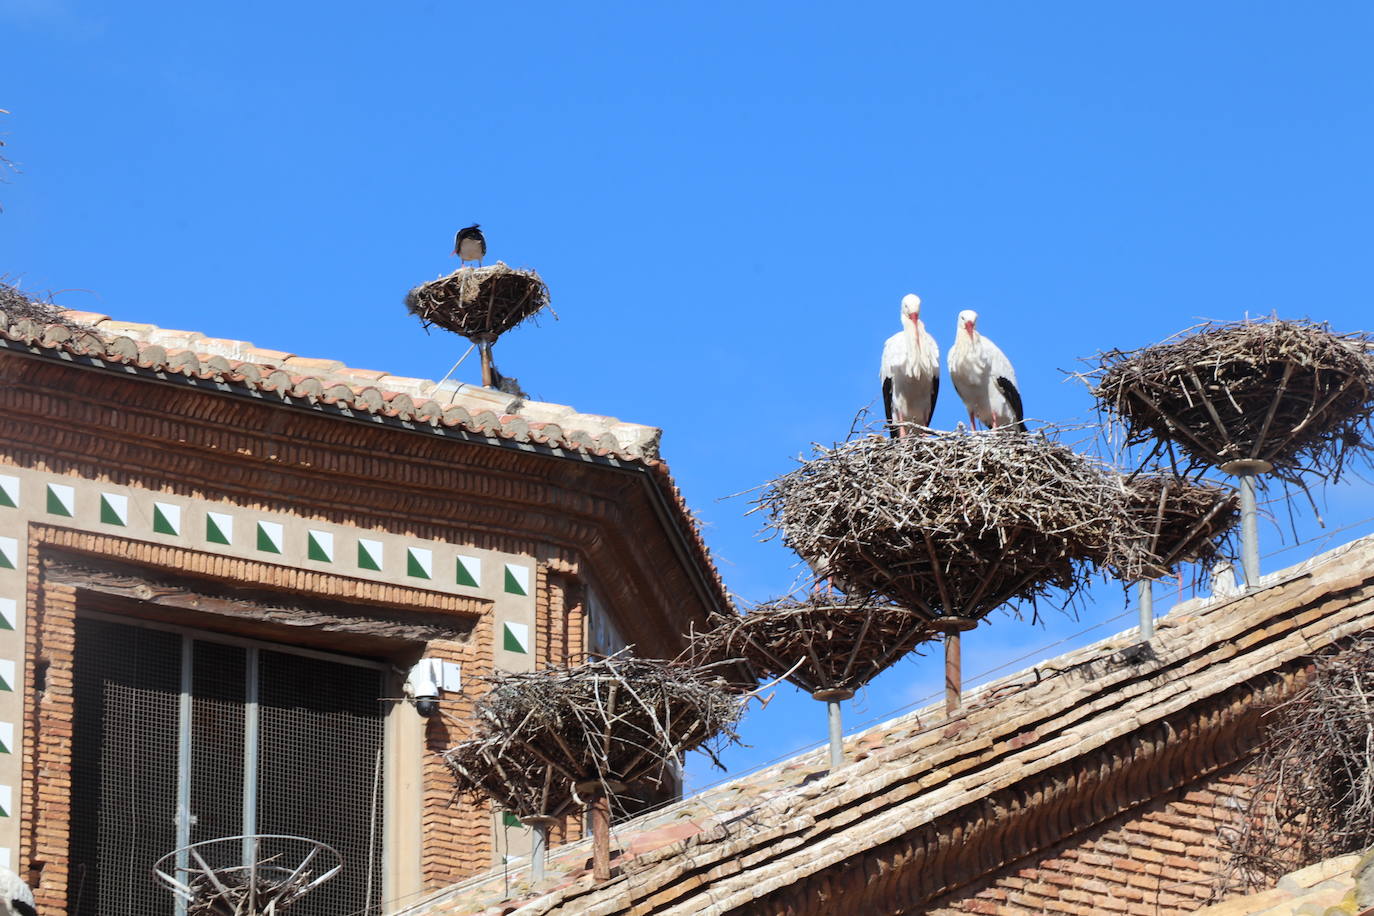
x: 1313, y: 794
x: 492, y: 767
x: 480, y: 303
x: 614, y: 720
x: 817, y: 645
x: 955, y: 524
x: 1291, y: 393
x: 16, y: 305
x: 1184, y: 521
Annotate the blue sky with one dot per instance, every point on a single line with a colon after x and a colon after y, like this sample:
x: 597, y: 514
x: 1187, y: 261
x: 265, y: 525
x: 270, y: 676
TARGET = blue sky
x: 727, y: 200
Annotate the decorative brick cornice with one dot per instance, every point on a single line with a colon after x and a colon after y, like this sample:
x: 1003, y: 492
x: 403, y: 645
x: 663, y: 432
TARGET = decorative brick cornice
x: 188, y: 441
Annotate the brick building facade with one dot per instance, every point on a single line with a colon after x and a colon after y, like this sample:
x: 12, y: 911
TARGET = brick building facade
x: 218, y: 565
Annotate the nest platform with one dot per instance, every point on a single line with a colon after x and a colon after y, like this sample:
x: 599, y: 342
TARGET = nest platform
x: 614, y: 720
x: 1290, y: 394
x: 1184, y: 521
x: 955, y: 524
x: 489, y: 767
x: 480, y: 303
x: 840, y: 647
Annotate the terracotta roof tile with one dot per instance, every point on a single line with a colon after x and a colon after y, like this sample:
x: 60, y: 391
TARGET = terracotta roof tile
x: 482, y: 411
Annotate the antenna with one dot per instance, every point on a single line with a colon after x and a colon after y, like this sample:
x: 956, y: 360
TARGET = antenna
x: 256, y: 875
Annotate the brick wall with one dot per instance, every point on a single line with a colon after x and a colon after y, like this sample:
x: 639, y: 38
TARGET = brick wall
x: 1159, y: 859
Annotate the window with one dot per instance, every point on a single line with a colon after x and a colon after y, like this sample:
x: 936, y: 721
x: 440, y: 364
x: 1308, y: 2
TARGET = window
x: 183, y: 736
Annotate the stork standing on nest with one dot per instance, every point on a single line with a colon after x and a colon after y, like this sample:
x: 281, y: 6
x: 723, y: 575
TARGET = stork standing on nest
x: 984, y: 378
x: 470, y: 245
x: 910, y: 371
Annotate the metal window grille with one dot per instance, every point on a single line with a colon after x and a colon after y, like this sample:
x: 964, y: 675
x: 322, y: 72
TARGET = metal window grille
x: 180, y: 737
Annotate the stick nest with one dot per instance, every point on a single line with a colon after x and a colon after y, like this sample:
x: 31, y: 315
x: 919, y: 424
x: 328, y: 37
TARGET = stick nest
x: 491, y: 767
x: 1288, y: 392
x: 1313, y: 796
x: 839, y: 646
x: 15, y: 305
x: 955, y: 523
x: 1185, y: 521
x: 615, y: 720
x: 480, y: 303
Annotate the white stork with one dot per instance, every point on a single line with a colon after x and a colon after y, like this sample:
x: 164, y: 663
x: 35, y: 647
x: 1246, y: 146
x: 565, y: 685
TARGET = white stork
x: 984, y: 378
x: 15, y: 897
x: 910, y: 371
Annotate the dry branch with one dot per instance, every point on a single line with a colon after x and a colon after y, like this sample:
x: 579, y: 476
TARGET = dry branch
x: 1313, y: 794
x: 955, y: 524
x: 15, y: 305
x: 480, y: 303
x: 1291, y: 393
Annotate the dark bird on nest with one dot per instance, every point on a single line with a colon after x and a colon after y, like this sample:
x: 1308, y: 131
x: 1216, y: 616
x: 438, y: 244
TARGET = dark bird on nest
x: 910, y: 371
x: 470, y: 245
x: 984, y: 378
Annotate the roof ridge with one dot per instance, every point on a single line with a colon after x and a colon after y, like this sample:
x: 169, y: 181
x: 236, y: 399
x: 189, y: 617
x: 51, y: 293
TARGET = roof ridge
x: 628, y: 437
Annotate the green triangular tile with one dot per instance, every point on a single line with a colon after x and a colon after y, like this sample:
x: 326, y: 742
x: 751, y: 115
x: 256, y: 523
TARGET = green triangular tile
x: 213, y: 533
x: 108, y: 515
x: 55, y: 506
x: 513, y: 585
x: 265, y: 543
x: 5, y: 624
x: 365, y: 560
x: 510, y: 643
x: 5, y: 561
x: 413, y: 567
x: 5, y: 501
x: 160, y: 523
x: 314, y: 551
x: 4, y: 749
x: 465, y: 577
x: 5, y: 686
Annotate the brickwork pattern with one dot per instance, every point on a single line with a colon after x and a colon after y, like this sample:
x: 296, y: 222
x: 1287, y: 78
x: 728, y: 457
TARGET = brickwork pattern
x: 1162, y: 859
x: 45, y: 825
x: 457, y: 833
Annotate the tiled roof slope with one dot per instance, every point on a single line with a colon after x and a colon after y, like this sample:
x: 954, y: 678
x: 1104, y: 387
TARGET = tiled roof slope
x: 238, y: 364
x: 480, y: 410
x: 778, y: 830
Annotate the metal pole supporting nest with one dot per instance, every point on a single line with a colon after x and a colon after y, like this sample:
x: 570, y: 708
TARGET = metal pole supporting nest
x: 539, y: 854
x: 952, y: 627
x: 1245, y: 470
x: 484, y: 345
x: 833, y: 698
x: 1146, y: 590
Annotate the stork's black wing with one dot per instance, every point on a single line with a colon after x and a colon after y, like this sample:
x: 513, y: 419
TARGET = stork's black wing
x: 471, y: 232
x: 887, y: 406
x: 934, y: 393
x: 1008, y: 389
